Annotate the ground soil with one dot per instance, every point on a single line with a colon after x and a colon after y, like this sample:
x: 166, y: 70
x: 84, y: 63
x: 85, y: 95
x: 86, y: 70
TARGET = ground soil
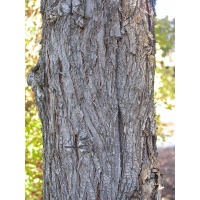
x: 166, y: 158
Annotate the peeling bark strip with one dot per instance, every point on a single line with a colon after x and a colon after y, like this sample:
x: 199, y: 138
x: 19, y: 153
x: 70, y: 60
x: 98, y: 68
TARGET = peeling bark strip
x: 93, y: 87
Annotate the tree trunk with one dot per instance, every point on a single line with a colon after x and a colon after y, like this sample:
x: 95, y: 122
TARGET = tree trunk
x: 93, y: 87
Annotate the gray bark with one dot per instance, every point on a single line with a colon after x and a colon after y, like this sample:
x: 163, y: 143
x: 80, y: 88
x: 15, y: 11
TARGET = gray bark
x: 93, y: 87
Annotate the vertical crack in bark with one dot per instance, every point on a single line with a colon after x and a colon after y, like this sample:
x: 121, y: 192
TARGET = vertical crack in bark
x: 77, y: 155
x: 120, y: 128
x: 148, y: 153
x: 61, y: 82
x: 120, y: 119
x: 76, y: 146
x: 148, y: 15
x: 98, y: 192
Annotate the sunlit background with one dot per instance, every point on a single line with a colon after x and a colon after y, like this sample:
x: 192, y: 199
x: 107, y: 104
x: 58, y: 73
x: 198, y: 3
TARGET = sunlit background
x: 164, y: 95
x: 165, y: 8
x: 167, y: 116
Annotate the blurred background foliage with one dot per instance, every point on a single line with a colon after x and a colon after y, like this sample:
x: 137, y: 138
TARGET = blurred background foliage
x: 33, y: 134
x: 164, y: 90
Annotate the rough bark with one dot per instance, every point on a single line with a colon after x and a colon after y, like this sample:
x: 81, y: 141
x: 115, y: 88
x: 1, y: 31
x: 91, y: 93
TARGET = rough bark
x: 93, y: 87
